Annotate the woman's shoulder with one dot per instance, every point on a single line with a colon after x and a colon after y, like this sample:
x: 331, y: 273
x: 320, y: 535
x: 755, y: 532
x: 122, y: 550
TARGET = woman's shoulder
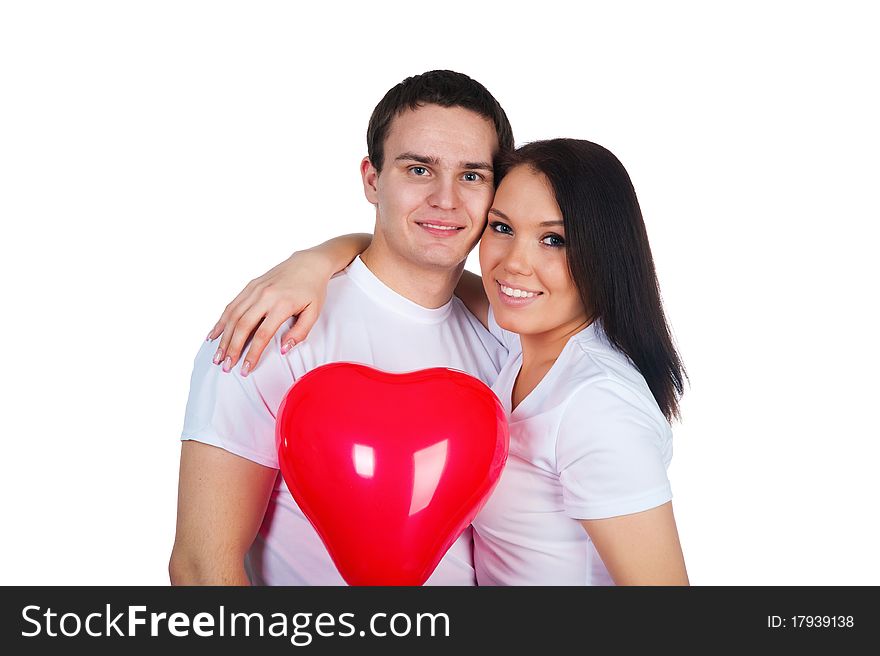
x: 610, y: 413
x: 602, y: 383
x: 598, y: 364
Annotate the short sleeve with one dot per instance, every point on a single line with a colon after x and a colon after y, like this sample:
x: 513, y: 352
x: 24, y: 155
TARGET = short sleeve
x: 233, y: 412
x: 509, y: 339
x: 612, y: 452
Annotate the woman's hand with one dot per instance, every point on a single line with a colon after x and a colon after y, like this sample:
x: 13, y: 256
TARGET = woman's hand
x: 296, y: 287
x: 292, y: 288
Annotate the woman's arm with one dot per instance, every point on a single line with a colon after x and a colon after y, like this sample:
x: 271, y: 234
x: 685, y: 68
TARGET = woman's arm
x: 640, y: 549
x: 470, y: 291
x: 296, y: 287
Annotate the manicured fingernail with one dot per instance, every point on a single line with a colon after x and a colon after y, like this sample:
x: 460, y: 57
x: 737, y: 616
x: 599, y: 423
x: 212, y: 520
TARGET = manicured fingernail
x: 245, y: 368
x: 209, y: 338
x: 218, y: 356
x: 227, y: 364
x: 289, y: 344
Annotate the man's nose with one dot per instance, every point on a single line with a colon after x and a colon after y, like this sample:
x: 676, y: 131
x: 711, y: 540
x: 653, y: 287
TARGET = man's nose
x: 444, y: 194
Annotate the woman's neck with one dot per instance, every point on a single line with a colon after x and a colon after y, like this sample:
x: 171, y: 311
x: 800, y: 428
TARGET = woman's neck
x: 539, y: 352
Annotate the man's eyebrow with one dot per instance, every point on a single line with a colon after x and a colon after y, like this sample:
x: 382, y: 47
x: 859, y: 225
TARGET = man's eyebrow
x: 543, y: 224
x: 413, y: 157
x: 480, y: 166
x: 434, y: 161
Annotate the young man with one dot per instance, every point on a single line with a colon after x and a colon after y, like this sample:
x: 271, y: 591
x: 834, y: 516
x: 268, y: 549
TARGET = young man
x: 431, y: 143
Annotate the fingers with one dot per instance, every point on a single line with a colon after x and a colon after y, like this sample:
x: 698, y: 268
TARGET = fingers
x: 262, y: 337
x: 234, y: 309
x: 301, y: 328
x: 261, y: 308
x: 230, y: 320
x: 244, y: 328
x: 216, y: 331
x: 303, y: 325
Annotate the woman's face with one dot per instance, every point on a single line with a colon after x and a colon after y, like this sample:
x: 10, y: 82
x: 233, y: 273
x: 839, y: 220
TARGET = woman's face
x: 523, y: 260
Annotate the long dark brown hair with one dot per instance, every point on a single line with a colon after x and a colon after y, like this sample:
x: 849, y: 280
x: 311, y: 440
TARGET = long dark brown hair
x: 609, y: 256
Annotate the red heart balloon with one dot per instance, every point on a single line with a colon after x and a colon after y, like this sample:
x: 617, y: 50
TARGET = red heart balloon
x: 390, y: 468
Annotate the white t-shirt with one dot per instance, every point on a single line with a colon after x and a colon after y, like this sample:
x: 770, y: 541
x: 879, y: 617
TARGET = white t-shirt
x: 589, y: 442
x: 363, y: 321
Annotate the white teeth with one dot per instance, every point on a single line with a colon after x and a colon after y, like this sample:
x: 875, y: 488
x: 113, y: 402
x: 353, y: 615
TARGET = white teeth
x: 439, y: 227
x: 516, y: 293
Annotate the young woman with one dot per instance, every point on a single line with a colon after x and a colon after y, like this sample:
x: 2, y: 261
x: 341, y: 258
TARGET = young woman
x: 592, y: 379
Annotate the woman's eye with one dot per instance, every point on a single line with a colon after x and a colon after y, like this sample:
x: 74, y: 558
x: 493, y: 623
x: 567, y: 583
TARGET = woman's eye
x: 553, y: 240
x: 503, y: 228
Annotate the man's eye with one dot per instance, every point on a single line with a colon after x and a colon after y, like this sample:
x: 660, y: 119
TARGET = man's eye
x: 553, y: 240
x: 503, y: 228
x: 419, y: 170
x: 470, y: 176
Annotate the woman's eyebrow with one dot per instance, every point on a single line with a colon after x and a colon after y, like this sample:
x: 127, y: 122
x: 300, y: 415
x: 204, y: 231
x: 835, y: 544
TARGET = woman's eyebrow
x: 543, y: 224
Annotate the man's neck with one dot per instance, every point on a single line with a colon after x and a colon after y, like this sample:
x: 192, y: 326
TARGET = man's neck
x: 429, y: 287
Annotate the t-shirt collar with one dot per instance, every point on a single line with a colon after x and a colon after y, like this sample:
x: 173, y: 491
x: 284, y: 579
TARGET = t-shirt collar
x: 379, y: 292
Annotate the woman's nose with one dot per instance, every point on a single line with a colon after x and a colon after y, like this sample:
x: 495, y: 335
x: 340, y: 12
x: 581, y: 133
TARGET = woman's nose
x: 516, y: 261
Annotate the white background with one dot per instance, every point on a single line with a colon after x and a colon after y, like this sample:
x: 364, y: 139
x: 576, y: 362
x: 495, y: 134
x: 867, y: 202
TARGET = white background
x: 155, y: 156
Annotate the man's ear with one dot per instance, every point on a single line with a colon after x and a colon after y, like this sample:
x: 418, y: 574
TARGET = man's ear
x: 370, y: 175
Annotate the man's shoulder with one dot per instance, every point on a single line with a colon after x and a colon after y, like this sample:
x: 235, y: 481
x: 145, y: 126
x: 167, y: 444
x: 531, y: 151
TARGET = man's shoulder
x: 343, y: 302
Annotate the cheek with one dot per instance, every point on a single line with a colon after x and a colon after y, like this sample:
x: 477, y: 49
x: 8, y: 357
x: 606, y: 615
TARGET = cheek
x: 489, y: 255
x: 573, y: 296
x: 562, y: 281
x: 385, y: 197
x: 398, y: 197
x: 478, y: 203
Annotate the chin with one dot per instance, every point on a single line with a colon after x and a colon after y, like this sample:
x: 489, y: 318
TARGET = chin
x: 510, y: 320
x: 442, y: 260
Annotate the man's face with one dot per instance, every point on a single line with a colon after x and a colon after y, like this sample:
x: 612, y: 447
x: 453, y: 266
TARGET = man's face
x: 435, y: 187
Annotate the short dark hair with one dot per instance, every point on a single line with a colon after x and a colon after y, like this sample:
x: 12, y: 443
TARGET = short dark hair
x: 609, y: 257
x: 443, y: 88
